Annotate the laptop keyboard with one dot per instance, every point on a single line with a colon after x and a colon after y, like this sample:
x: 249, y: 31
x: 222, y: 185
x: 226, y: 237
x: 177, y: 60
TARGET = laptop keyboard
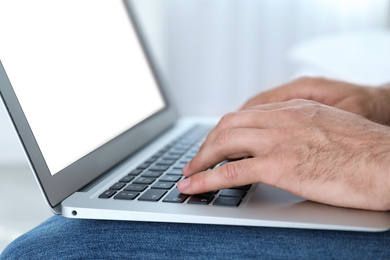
x: 155, y: 179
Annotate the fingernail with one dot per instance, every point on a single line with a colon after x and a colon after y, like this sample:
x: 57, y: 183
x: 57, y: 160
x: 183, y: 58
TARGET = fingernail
x: 184, y: 184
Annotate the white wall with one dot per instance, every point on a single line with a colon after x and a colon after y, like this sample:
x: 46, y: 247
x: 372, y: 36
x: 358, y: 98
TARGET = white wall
x: 224, y: 51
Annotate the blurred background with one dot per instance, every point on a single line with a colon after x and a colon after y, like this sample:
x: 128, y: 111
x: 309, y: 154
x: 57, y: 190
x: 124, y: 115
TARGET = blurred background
x: 215, y: 54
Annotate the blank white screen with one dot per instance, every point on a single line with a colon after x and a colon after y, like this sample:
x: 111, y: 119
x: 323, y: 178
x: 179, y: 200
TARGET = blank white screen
x: 78, y: 71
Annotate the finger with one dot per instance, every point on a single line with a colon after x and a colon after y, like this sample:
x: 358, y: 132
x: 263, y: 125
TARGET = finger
x: 255, y: 117
x: 316, y: 89
x: 232, y: 144
x: 271, y: 96
x: 232, y: 174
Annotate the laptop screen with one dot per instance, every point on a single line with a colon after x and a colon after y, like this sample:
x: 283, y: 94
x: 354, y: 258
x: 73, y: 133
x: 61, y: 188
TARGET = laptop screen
x: 78, y: 70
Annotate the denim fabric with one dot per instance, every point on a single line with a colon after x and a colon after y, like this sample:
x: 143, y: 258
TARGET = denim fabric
x: 62, y: 238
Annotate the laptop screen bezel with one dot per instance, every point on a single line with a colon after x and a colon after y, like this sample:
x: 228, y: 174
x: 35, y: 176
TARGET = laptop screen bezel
x: 59, y: 186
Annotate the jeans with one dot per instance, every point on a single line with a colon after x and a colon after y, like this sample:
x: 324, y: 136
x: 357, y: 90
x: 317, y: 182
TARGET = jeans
x: 62, y: 238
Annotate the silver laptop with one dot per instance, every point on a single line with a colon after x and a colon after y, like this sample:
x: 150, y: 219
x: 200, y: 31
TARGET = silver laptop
x: 90, y: 107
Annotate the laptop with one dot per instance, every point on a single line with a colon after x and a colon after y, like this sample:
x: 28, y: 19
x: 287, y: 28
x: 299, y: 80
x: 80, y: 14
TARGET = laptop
x: 92, y: 111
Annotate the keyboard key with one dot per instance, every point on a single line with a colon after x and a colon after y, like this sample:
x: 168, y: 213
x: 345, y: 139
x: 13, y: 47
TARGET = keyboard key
x: 143, y: 180
x: 202, y: 199
x: 135, y: 187
x: 173, y: 156
x: 127, y: 179
x: 175, y: 197
x: 233, y: 193
x: 166, y: 148
x: 143, y: 166
x: 179, y: 165
x: 188, y: 157
x: 135, y: 172
x: 185, y: 160
x: 163, y: 185
x: 152, y: 195
x: 177, y: 150
x: 170, y: 158
x: 227, y: 201
x: 117, y: 186
x: 246, y: 187
x: 151, y: 160
x: 159, y: 154
x: 212, y: 192
x: 159, y: 168
x: 175, y: 172
x: 183, y: 145
x: 170, y: 178
x: 107, y: 194
x: 192, y: 154
x: 126, y: 195
x: 152, y: 174
x: 165, y: 162
x: 176, y: 153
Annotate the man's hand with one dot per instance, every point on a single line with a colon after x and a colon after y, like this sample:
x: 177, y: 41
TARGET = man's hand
x: 372, y: 103
x: 318, y: 152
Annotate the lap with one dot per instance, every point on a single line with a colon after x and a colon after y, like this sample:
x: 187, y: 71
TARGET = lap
x: 64, y: 238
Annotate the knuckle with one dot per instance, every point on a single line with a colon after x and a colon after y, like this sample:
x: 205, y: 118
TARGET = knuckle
x: 226, y: 120
x: 302, y: 109
x: 224, y: 137
x: 299, y: 102
x: 293, y: 103
x: 202, y: 182
x: 230, y: 173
